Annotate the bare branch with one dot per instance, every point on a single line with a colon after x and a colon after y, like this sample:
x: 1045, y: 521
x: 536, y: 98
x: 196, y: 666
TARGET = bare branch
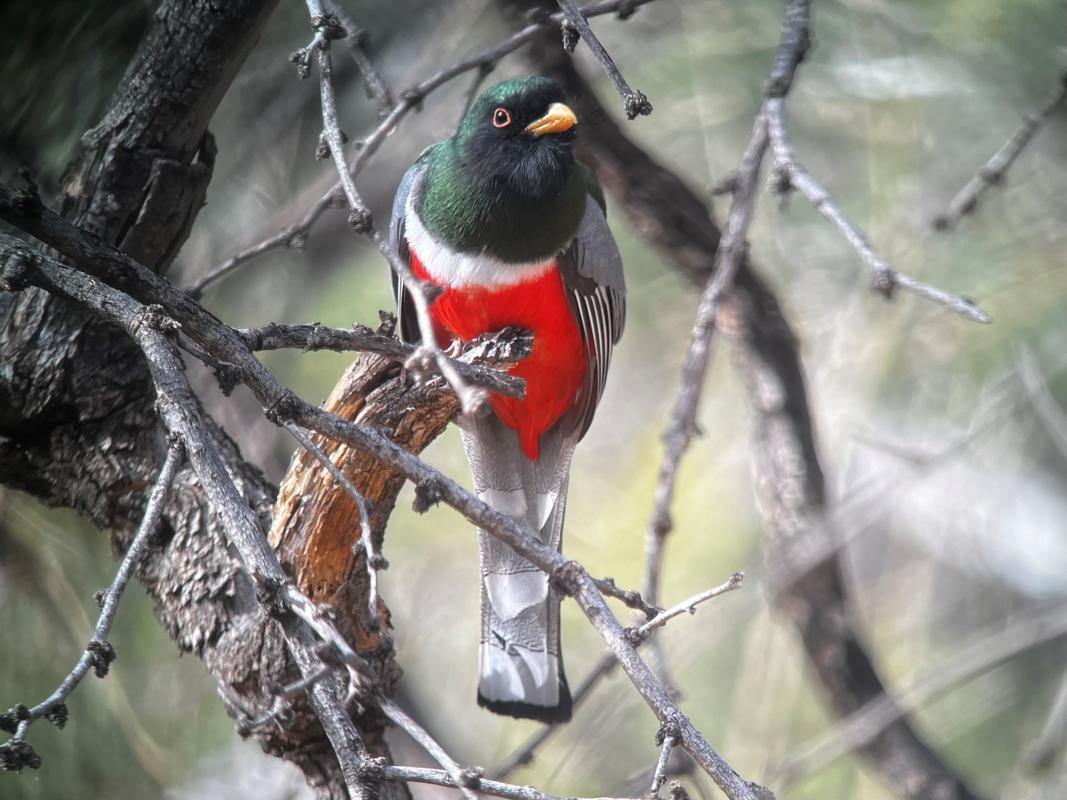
x: 496, y: 788
x: 689, y: 606
x: 629, y: 597
x: 355, y: 42
x: 180, y: 414
x: 464, y: 779
x: 668, y: 738
x: 634, y: 102
x: 680, y: 431
x: 992, y: 173
x: 280, y: 404
x: 99, y: 653
x: 884, y: 278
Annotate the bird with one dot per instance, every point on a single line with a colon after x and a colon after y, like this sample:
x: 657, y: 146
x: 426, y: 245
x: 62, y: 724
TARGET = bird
x: 511, y: 228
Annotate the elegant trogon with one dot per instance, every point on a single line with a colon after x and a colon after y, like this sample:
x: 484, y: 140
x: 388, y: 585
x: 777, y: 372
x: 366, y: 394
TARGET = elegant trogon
x: 511, y: 226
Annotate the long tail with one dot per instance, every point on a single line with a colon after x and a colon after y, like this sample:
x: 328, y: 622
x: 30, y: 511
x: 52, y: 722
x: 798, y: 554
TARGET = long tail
x: 520, y: 664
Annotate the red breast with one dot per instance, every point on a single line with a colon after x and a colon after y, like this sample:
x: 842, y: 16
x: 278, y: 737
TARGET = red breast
x: 556, y: 366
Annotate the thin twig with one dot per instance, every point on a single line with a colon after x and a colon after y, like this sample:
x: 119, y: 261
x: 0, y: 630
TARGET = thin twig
x: 358, y: 214
x: 682, y: 426
x: 466, y: 780
x: 374, y: 560
x: 628, y: 597
x: 355, y: 41
x: 993, y: 172
x: 283, y: 698
x: 99, y: 652
x: 441, y: 778
x: 884, y: 279
x: 296, y: 234
x: 634, y: 102
x: 669, y: 736
x: 689, y: 606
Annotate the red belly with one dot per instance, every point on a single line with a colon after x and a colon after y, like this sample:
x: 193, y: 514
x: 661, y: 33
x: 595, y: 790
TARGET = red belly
x: 556, y: 366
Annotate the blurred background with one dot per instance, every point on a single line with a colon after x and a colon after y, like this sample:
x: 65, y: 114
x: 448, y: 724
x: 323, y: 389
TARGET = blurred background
x: 938, y: 436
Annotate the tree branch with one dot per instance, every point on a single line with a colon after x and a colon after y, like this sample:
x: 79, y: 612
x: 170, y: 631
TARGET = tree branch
x: 16, y: 753
x: 635, y: 103
x: 282, y: 405
x: 993, y: 172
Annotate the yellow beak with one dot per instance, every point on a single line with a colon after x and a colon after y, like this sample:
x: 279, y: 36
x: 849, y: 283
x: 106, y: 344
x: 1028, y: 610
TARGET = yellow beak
x: 558, y: 119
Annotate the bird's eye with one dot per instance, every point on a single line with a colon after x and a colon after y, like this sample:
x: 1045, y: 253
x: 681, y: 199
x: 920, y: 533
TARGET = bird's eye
x: 501, y: 118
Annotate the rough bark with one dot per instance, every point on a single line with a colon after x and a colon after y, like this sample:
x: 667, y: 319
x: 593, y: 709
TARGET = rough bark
x: 789, y: 480
x: 77, y: 422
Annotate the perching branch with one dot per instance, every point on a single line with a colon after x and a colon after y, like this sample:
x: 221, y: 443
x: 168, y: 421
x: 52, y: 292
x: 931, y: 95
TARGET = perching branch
x: 16, y: 753
x: 480, y: 363
x: 993, y: 172
x: 281, y: 405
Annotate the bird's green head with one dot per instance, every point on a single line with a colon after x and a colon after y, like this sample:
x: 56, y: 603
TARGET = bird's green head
x: 518, y: 133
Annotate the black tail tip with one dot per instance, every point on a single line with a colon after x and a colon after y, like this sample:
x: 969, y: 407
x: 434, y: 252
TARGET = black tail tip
x: 551, y: 715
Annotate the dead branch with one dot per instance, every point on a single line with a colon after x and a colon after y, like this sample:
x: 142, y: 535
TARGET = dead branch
x: 503, y: 349
x: 355, y: 41
x: 180, y: 415
x: 993, y: 172
x: 635, y: 103
x: 16, y: 753
x: 280, y: 405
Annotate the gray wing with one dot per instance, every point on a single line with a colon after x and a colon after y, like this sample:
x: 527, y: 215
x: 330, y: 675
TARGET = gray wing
x: 592, y: 273
x: 406, y: 323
